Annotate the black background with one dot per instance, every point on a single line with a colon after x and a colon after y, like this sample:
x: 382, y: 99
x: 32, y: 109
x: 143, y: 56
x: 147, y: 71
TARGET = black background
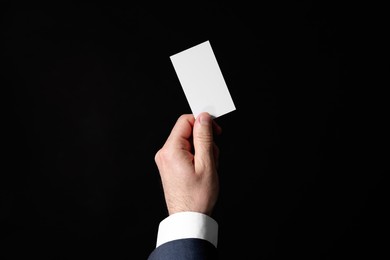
x: 90, y: 95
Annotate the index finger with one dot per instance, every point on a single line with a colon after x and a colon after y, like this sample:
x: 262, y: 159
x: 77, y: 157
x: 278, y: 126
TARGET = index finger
x: 181, y: 131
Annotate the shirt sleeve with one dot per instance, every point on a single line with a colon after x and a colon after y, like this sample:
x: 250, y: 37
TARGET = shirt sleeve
x: 187, y: 225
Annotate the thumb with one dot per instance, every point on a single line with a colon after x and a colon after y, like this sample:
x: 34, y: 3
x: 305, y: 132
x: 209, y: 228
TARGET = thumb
x: 203, y: 142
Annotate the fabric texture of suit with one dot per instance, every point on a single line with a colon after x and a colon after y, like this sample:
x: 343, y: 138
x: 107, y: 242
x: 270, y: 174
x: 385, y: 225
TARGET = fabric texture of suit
x: 185, y: 249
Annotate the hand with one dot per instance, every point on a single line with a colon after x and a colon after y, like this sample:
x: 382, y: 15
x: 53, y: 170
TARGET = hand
x: 188, y: 164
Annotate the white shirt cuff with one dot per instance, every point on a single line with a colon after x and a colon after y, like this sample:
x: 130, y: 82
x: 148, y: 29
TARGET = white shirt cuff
x: 187, y: 225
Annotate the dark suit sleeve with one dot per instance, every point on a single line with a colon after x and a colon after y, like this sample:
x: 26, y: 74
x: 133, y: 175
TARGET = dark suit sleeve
x: 185, y: 249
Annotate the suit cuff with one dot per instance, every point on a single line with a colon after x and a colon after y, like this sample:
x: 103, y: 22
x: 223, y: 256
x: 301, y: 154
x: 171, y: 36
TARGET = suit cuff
x: 187, y: 225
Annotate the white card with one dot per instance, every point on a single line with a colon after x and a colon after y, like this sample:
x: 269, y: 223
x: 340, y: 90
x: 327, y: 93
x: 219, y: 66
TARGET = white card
x: 202, y: 81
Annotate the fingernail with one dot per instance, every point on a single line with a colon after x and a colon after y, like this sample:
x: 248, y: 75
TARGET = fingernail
x: 205, y: 119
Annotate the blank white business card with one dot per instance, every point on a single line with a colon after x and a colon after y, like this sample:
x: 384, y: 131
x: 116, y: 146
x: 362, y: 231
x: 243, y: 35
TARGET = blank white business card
x: 202, y: 81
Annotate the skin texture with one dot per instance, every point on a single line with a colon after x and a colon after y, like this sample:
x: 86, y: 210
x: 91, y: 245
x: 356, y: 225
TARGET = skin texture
x: 188, y: 163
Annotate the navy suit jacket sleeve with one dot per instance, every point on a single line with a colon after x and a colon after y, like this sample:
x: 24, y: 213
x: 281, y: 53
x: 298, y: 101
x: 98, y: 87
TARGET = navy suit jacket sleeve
x: 185, y: 249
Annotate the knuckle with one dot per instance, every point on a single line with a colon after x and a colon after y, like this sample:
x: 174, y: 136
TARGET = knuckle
x: 205, y: 138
